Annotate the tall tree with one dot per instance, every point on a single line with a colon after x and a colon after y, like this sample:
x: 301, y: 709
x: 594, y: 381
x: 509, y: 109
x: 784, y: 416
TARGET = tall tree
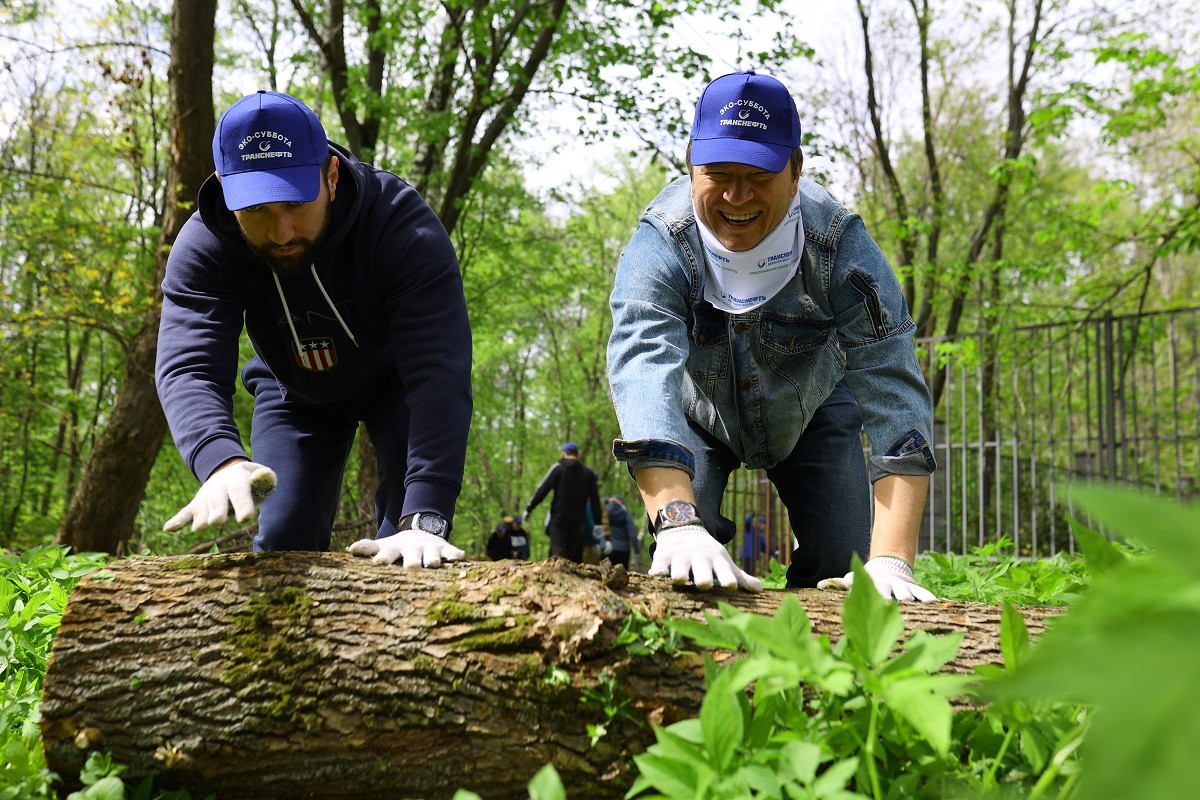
x: 100, y: 516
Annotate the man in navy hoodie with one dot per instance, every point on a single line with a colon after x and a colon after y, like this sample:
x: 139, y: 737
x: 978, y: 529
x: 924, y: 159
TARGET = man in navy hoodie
x: 350, y: 291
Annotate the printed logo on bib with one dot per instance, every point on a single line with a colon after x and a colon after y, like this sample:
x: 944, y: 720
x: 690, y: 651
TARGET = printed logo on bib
x: 742, y: 280
x: 317, y: 355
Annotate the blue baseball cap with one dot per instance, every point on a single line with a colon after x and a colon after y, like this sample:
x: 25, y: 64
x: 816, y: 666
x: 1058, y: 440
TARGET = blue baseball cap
x: 571, y: 448
x: 745, y: 118
x: 268, y: 148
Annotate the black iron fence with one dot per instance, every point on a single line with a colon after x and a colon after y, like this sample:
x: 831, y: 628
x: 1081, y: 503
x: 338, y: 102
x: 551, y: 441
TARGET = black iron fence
x: 1023, y: 413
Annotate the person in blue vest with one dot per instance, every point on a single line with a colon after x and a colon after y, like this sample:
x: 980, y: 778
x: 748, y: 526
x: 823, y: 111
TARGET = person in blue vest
x: 756, y: 322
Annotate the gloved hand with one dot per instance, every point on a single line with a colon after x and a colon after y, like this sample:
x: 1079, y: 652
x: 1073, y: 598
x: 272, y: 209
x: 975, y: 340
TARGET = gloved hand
x: 690, y: 550
x: 236, y: 488
x: 893, y: 577
x: 605, y: 547
x: 416, y: 548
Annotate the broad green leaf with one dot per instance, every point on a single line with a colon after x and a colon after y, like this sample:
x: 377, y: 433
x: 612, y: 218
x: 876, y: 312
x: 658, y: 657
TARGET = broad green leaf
x: 918, y: 701
x: 546, y: 785
x: 1014, y: 637
x: 667, y: 775
x: 872, y: 625
x: 1168, y: 526
x: 925, y: 652
x: 1101, y: 556
x: 836, y: 777
x: 723, y: 717
x: 801, y: 760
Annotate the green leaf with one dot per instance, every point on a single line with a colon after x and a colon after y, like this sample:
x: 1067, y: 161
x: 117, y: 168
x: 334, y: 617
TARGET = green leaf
x: 1099, y: 552
x: 835, y: 778
x: 801, y: 760
x: 1014, y: 637
x: 1167, y: 526
x: 110, y: 788
x: 917, y: 700
x: 723, y: 717
x: 871, y: 624
x: 925, y: 653
x: 546, y: 785
x: 667, y: 775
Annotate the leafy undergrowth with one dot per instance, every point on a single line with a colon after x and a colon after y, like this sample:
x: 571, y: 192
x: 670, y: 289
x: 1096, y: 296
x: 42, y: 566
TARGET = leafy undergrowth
x: 1101, y: 706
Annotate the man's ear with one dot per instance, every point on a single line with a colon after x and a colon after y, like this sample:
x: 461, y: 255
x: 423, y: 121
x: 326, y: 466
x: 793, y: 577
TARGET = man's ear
x: 334, y: 163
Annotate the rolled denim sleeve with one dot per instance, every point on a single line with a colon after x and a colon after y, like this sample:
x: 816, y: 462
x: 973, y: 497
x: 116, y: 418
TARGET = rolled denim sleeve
x: 876, y: 334
x: 647, y: 351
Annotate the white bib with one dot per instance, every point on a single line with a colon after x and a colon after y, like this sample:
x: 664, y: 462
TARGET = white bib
x: 741, y: 281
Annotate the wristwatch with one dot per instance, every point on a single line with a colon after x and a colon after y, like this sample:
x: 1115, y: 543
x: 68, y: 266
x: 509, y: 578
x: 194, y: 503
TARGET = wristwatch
x: 675, y: 514
x: 426, y: 522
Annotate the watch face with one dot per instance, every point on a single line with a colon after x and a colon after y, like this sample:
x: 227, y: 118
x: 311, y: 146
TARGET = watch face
x: 678, y: 512
x: 431, y: 523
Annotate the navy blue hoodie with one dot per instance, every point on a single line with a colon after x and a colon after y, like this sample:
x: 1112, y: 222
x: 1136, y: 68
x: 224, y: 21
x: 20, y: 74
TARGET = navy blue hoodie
x: 390, y: 271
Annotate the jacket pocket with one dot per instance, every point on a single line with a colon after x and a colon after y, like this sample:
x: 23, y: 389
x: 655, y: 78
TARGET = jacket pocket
x: 870, y: 302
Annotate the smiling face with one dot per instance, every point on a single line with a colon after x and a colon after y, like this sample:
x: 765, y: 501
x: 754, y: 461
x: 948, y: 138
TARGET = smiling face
x: 286, y: 236
x: 741, y: 204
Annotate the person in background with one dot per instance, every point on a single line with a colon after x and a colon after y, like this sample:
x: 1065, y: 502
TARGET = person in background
x: 520, y: 539
x: 754, y: 542
x: 574, y: 487
x: 350, y: 291
x: 499, y: 544
x: 756, y: 322
x: 623, y: 533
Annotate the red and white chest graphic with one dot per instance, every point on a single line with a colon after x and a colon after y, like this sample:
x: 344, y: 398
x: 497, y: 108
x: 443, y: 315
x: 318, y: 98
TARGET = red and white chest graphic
x: 316, y: 354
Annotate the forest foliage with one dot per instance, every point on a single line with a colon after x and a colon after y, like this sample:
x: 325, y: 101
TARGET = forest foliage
x: 1020, y: 161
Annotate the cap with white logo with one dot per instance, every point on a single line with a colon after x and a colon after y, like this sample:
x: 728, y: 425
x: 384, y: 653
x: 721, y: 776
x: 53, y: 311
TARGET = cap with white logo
x: 268, y: 148
x: 745, y: 118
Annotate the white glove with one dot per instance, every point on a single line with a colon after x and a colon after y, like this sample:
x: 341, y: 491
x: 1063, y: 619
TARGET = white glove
x: 893, y: 577
x: 605, y: 548
x: 417, y: 548
x: 235, y: 488
x: 689, y: 550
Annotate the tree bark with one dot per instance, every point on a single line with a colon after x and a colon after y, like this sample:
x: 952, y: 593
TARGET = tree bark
x: 295, y: 675
x: 101, y: 514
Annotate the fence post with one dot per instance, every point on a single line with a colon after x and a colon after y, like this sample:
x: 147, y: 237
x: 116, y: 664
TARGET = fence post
x: 1110, y: 398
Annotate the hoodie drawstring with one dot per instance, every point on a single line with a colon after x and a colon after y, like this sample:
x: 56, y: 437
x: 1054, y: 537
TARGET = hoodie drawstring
x: 332, y: 307
x: 287, y: 313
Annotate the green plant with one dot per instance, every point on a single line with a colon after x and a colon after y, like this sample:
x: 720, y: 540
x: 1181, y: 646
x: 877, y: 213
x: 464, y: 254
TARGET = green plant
x: 871, y: 716
x: 994, y: 574
x: 1130, y: 649
x: 33, y: 593
x: 610, y: 698
x: 642, y: 636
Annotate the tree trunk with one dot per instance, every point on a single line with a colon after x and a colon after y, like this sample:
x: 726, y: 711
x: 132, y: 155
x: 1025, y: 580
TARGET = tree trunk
x: 103, y: 508
x: 291, y: 675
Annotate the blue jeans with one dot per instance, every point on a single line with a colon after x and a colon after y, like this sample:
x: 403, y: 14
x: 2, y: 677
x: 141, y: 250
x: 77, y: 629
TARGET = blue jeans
x: 308, y: 445
x: 823, y: 484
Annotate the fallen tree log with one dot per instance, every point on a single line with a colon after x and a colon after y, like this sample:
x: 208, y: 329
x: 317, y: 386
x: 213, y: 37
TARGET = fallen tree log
x: 292, y: 675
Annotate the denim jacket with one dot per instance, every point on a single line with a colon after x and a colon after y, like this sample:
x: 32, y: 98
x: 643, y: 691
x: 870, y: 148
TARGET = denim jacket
x: 754, y: 380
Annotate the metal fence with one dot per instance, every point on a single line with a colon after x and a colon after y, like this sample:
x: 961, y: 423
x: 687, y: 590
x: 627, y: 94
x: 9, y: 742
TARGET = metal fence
x: 1023, y: 413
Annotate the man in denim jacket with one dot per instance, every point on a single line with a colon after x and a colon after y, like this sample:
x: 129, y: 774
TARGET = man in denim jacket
x: 755, y: 321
